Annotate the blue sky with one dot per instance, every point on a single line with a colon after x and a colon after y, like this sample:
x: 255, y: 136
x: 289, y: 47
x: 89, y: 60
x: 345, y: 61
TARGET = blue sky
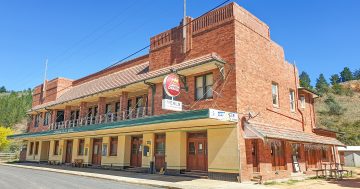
x: 81, y: 37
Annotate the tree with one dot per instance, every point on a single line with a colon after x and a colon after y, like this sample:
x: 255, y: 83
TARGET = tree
x: 357, y: 74
x: 305, y: 80
x: 2, y: 89
x: 322, y: 86
x: 335, y: 79
x: 346, y: 75
x: 4, y: 132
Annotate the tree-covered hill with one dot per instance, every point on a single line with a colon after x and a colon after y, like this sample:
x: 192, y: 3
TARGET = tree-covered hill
x: 338, y: 107
x: 13, y: 107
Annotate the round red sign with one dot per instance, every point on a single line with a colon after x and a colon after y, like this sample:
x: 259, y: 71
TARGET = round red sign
x: 172, y: 85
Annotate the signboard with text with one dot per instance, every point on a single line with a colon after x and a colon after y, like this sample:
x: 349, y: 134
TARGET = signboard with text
x: 171, y: 105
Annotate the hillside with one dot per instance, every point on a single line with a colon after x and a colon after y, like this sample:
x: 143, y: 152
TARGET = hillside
x: 341, y: 113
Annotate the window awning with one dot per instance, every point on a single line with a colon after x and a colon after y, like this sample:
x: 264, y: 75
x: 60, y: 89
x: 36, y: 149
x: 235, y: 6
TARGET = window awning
x: 263, y: 131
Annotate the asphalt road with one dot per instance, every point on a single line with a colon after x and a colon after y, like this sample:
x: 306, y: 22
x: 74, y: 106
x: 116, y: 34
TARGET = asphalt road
x: 13, y: 178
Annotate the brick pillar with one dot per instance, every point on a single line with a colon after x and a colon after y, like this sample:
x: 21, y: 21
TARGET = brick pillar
x: 101, y: 105
x: 53, y: 116
x: 83, y: 109
x: 67, y: 113
x: 123, y: 101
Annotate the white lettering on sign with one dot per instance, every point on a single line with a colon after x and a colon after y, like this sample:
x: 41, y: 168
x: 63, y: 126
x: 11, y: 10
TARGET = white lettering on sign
x: 171, y: 105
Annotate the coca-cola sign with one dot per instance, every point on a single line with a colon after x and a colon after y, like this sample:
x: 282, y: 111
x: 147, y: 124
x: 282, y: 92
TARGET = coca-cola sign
x: 171, y: 85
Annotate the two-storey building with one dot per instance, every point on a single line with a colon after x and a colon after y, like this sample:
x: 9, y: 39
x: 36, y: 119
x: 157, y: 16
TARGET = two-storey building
x: 243, y: 115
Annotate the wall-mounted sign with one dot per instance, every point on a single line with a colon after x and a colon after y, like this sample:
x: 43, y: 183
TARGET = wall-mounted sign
x: 223, y: 115
x: 171, y: 105
x: 171, y: 85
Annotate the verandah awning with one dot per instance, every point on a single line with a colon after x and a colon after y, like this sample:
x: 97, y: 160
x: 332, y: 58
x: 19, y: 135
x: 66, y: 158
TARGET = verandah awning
x: 193, y: 117
x: 263, y: 131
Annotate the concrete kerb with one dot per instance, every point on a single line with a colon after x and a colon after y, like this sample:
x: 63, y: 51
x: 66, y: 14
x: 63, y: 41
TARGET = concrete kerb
x: 138, y: 181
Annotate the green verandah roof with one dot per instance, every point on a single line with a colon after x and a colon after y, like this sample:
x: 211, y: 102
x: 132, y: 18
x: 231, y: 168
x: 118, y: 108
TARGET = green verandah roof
x: 164, y: 118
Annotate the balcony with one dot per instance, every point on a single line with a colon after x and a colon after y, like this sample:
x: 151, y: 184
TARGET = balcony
x: 101, y: 119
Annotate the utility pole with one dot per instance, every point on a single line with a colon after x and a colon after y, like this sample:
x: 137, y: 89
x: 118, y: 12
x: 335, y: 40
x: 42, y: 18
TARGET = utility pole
x: 184, y: 28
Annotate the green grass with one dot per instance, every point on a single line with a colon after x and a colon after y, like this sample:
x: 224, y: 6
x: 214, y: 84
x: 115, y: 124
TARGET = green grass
x: 269, y: 183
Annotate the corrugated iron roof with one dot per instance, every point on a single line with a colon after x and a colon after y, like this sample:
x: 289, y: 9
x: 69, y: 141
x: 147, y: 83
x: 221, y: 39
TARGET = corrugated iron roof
x: 123, y: 78
x: 269, y: 131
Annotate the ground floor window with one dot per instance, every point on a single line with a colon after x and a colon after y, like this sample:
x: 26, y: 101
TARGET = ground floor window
x: 36, y: 148
x: 31, y: 148
x: 56, y: 147
x: 81, y: 147
x: 324, y: 154
x: 113, y: 146
x: 278, y: 155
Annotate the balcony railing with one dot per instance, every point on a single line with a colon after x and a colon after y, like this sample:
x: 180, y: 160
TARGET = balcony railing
x: 99, y: 119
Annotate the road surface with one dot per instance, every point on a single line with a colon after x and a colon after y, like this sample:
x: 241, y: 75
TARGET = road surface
x: 20, y: 178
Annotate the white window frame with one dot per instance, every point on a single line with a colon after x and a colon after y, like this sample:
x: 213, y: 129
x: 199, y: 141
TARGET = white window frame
x: 302, y: 101
x: 276, y: 93
x: 292, y: 100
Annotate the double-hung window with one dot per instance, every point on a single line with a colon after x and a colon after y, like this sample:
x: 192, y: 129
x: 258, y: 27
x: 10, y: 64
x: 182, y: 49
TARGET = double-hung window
x: 275, y: 94
x: 292, y: 100
x: 113, y: 146
x: 47, y: 118
x: 302, y: 101
x: 204, y: 87
x: 81, y: 147
x: 56, y: 147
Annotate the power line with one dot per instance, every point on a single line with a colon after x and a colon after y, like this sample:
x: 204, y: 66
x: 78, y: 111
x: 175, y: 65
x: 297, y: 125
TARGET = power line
x: 138, y: 51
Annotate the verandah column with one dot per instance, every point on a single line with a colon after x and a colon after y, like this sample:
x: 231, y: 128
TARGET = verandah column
x: 124, y: 150
x: 175, y: 150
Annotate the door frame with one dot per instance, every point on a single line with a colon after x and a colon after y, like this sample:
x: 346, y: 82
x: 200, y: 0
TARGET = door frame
x: 138, y: 160
x: 99, y: 154
x: 255, y: 155
x: 197, y: 136
x: 162, y: 138
x: 66, y: 151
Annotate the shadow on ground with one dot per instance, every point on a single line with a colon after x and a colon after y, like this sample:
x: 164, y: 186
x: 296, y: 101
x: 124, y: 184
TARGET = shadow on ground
x: 157, y: 177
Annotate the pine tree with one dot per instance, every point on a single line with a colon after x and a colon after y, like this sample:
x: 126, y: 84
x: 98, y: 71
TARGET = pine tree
x: 346, y: 75
x: 305, y: 80
x: 322, y: 86
x: 334, y: 79
x: 2, y: 89
x: 357, y: 74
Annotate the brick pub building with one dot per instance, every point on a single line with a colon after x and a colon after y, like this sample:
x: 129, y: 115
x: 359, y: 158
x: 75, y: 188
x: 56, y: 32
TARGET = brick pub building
x: 114, y: 118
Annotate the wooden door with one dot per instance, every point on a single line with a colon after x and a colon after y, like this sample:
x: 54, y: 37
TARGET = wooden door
x: 197, y: 152
x: 96, y: 152
x: 68, y: 153
x: 255, y: 155
x: 159, y: 151
x: 136, y: 152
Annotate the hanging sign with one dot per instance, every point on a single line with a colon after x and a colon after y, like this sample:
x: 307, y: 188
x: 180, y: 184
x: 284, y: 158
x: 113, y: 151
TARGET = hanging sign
x: 171, y: 85
x: 171, y: 105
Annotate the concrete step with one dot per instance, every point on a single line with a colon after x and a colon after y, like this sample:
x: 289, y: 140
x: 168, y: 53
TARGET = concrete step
x: 136, y: 170
x: 195, y: 174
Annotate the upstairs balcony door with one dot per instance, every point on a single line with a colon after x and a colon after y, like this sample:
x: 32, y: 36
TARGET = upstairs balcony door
x: 59, y: 116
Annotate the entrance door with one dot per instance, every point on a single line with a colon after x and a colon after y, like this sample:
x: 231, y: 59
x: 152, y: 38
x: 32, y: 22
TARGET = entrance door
x: 159, y: 151
x: 136, y: 152
x: 255, y: 155
x: 68, y: 154
x: 197, y: 152
x: 96, y: 152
